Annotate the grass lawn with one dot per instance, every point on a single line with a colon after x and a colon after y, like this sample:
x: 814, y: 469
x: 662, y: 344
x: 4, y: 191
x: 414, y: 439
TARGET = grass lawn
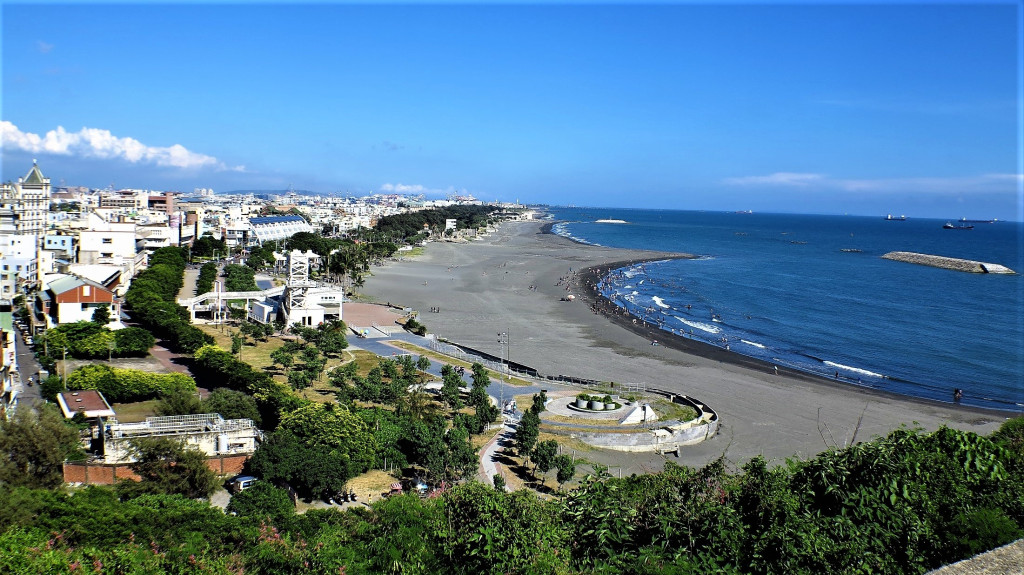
x: 136, y: 411
x: 439, y: 357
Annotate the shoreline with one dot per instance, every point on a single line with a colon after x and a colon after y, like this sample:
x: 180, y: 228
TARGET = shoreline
x: 601, y: 305
x: 604, y: 307
x: 515, y: 281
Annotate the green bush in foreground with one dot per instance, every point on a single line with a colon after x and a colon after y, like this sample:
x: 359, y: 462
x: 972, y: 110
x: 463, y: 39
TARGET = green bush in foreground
x: 905, y: 503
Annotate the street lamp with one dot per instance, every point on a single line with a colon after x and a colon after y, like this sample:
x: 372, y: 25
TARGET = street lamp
x: 503, y: 341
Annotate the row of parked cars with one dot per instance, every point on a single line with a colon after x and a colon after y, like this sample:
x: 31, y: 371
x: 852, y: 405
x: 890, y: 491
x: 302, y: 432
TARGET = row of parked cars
x: 23, y: 328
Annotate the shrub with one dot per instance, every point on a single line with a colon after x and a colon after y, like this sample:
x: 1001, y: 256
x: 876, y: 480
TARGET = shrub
x: 128, y: 384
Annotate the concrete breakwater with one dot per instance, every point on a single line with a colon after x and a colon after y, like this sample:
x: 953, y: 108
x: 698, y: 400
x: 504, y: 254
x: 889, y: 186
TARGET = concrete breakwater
x: 948, y: 263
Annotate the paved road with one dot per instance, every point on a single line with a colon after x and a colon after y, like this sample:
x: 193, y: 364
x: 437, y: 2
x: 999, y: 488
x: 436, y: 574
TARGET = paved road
x: 28, y: 367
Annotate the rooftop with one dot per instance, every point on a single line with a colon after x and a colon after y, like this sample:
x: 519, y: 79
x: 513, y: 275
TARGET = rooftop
x: 89, y: 402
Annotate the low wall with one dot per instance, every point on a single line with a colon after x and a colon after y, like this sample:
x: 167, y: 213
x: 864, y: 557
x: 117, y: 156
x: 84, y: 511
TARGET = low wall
x: 85, y: 473
x: 662, y: 439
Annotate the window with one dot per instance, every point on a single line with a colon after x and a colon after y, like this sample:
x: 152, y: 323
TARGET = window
x: 86, y: 290
x: 108, y: 240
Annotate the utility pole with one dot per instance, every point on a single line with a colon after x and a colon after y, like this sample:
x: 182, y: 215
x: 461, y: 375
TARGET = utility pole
x: 503, y: 341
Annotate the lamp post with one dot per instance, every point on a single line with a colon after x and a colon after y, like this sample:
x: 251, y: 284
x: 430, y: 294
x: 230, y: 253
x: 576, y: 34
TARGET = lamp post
x: 503, y: 341
x: 217, y: 287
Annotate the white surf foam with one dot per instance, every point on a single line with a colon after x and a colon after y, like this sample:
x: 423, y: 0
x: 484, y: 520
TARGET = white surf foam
x: 853, y: 369
x: 753, y: 343
x: 661, y: 303
x: 699, y: 325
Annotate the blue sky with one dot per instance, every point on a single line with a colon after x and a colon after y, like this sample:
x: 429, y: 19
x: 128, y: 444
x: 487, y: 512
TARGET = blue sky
x: 862, y: 109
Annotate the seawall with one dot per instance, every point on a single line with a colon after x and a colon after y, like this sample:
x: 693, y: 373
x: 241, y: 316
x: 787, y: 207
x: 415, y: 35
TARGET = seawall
x: 955, y: 264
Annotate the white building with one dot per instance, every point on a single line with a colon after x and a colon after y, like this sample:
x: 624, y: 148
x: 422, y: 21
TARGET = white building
x: 274, y: 228
x: 19, y: 264
x: 208, y: 432
x: 24, y: 204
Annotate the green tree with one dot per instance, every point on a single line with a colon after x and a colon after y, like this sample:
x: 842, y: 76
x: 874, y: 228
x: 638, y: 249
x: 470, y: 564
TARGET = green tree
x: 299, y: 379
x: 231, y: 404
x: 283, y: 357
x: 544, y: 456
x: 539, y: 399
x: 237, y: 341
x: 450, y: 382
x: 527, y: 433
x: 333, y: 426
x: 179, y: 402
x: 263, y: 501
x: 101, y: 315
x: 166, y: 466
x: 423, y: 363
x: 33, y: 447
x: 51, y: 386
x: 566, y: 469
x: 133, y: 342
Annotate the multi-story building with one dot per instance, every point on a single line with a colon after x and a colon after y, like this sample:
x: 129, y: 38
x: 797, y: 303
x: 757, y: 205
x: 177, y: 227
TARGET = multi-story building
x: 25, y: 203
x: 19, y: 264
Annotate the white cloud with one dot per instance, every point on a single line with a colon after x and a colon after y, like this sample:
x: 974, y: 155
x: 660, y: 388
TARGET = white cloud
x: 97, y: 143
x: 43, y: 47
x: 958, y: 184
x: 777, y: 179
x: 419, y: 189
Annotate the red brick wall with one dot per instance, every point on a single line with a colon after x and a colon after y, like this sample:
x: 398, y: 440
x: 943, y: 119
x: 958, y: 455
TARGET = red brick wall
x: 100, y: 474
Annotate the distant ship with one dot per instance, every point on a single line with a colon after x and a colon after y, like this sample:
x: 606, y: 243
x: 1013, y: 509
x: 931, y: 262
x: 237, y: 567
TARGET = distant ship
x: 892, y: 218
x: 959, y: 226
x: 610, y: 221
x: 967, y: 221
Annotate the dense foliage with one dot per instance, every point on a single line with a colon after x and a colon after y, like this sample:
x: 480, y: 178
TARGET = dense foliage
x: 207, y: 275
x: 91, y: 340
x: 905, y: 503
x: 207, y: 246
x: 123, y: 385
x: 410, y: 225
x: 239, y: 278
x: 152, y: 299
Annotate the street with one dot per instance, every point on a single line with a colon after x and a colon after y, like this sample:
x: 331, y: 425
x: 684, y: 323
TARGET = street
x: 28, y: 367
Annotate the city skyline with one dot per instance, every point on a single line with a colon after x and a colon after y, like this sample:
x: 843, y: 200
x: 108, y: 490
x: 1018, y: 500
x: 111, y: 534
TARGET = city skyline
x: 817, y: 108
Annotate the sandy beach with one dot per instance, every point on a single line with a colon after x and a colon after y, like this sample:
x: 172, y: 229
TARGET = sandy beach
x: 515, y: 280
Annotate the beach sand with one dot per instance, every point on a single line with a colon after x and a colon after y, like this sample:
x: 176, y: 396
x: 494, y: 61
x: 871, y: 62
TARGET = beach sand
x: 484, y: 287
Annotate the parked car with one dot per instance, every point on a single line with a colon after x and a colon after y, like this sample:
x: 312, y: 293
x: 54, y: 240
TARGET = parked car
x: 241, y: 483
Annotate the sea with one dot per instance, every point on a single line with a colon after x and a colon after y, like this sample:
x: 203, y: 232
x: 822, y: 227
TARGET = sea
x: 811, y: 292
